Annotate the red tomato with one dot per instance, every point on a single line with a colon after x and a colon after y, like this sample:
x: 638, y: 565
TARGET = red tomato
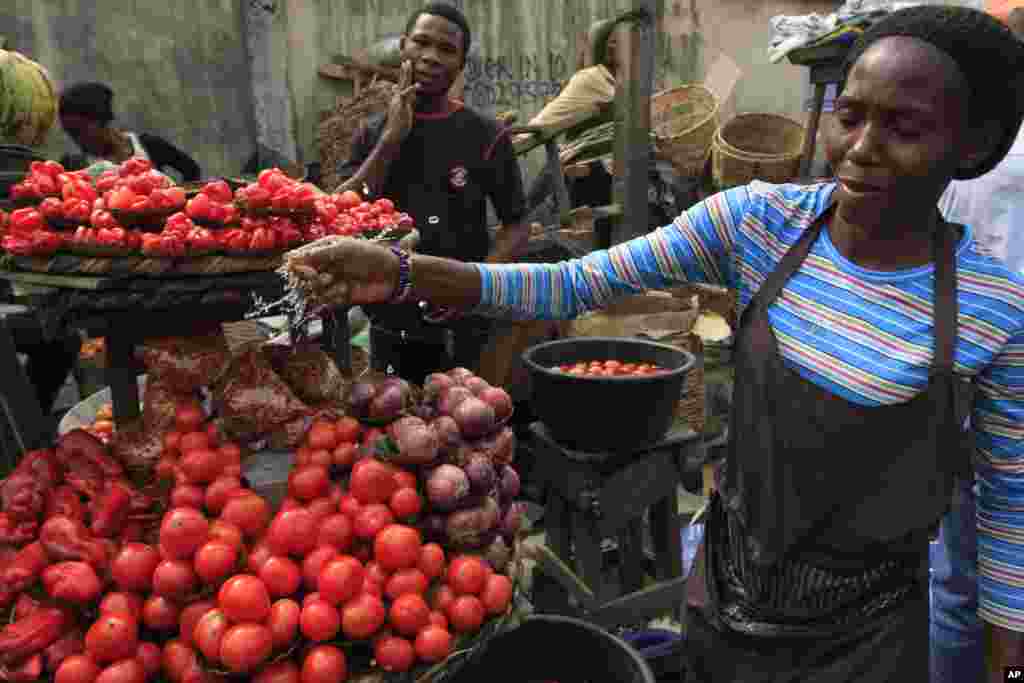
x: 404, y: 479
x: 433, y: 644
x: 322, y: 435
x: 150, y: 657
x: 362, y: 616
x: 375, y: 572
x: 309, y: 482
x: 188, y: 496
x: 321, y: 457
x: 345, y: 455
x: 397, y: 546
x: 372, y: 481
x: 228, y: 533
x: 281, y: 576
x: 201, y: 465
x: 279, y: 672
x: 192, y: 441
x: 214, y: 561
x: 188, y: 416
x: 230, y: 453
x: 245, y: 647
x: 179, y: 658
x: 348, y: 430
x: 260, y: 553
x: 183, y: 531
x: 124, y: 671
x: 406, y: 581
x: 409, y: 614
x: 128, y: 603
x: 324, y: 664
x: 314, y: 564
x: 394, y: 654
x: 466, y: 613
x: 340, y: 580
x: 248, y: 511
x: 174, y: 579
x: 190, y: 616
x: 171, y: 441
x: 372, y: 519
x: 438, y: 619
x: 349, y: 505
x: 406, y: 502
x: 442, y: 597
x: 160, y: 614
x: 165, y: 468
x: 290, y: 503
x: 293, y: 532
x: 431, y: 560
x: 321, y: 509
x: 497, y: 594
x: 113, y: 636
x: 244, y: 598
x: 301, y: 456
x: 132, y: 568
x: 77, y: 669
x: 467, y: 574
x: 209, y: 633
x: 283, y: 622
x: 218, y: 493
x: 320, y: 621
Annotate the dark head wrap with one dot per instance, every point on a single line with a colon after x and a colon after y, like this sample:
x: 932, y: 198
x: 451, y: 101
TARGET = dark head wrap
x: 990, y: 57
x: 91, y: 100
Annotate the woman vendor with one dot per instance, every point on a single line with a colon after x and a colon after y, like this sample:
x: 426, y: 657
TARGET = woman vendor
x: 864, y: 318
x: 87, y: 114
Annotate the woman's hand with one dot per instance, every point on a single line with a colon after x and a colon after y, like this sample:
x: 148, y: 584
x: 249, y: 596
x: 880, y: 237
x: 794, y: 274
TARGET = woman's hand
x: 339, y: 271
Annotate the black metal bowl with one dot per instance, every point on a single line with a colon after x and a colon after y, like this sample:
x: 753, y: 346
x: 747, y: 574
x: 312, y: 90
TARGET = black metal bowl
x: 601, y: 414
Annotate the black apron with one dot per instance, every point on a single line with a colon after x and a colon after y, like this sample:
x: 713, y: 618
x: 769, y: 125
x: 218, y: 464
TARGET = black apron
x: 814, y: 565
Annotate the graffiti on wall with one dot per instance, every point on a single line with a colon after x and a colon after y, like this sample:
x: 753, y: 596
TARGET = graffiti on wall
x: 505, y: 83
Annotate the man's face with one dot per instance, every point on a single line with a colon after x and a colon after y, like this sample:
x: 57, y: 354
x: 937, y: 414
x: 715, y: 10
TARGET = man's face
x: 436, y: 48
x: 87, y: 133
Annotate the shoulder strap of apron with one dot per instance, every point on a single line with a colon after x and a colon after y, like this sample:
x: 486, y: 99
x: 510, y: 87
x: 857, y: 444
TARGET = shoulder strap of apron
x: 945, y: 311
x: 790, y: 262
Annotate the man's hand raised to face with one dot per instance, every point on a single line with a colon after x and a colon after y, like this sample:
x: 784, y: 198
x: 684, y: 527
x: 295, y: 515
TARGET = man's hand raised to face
x: 400, y: 111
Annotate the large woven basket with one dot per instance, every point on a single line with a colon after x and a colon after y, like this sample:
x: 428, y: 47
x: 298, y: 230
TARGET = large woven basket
x: 757, y: 146
x: 340, y: 126
x: 684, y: 120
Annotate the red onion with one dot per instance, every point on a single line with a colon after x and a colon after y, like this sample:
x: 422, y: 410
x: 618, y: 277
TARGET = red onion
x: 497, y: 398
x: 474, y: 417
x: 512, y: 520
x: 509, y: 483
x: 447, y: 486
x: 451, y: 398
x: 359, y: 398
x: 460, y: 375
x: 387, y: 404
x: 481, y: 474
x: 476, y: 384
x: 436, y: 383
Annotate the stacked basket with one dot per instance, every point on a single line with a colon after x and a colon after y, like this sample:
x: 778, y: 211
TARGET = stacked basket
x: 684, y: 121
x: 757, y: 147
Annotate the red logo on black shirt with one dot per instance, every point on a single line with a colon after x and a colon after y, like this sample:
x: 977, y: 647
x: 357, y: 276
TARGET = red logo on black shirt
x: 458, y: 177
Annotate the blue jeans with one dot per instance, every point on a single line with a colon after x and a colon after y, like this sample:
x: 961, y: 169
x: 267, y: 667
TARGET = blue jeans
x: 957, y: 653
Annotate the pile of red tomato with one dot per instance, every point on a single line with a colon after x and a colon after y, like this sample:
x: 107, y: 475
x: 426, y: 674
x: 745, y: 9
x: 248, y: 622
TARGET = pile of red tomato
x: 230, y: 586
x: 609, y: 368
x: 275, y: 213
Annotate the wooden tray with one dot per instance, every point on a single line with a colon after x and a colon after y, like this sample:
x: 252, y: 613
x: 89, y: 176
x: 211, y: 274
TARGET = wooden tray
x: 143, y: 266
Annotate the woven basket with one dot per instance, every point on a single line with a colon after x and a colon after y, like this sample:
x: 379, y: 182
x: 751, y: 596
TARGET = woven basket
x: 340, y: 126
x: 692, y: 405
x: 757, y: 146
x: 684, y: 121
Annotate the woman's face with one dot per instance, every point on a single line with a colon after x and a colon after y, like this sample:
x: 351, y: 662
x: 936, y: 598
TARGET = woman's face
x: 898, y: 131
x: 87, y: 133
x: 611, y: 51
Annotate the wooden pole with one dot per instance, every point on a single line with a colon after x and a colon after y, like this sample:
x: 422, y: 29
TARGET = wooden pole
x: 634, y: 87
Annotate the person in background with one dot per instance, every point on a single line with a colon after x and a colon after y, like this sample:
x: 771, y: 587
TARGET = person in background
x: 440, y: 161
x: 864, y: 317
x: 87, y: 116
x: 993, y: 206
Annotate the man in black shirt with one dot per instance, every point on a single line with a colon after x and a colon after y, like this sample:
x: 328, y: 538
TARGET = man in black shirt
x: 440, y: 161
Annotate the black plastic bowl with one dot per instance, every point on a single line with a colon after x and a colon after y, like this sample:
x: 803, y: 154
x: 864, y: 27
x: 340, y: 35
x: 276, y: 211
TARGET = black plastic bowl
x: 600, y: 414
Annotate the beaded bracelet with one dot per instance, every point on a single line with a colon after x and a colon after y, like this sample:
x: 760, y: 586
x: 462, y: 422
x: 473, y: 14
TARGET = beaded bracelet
x: 404, y: 287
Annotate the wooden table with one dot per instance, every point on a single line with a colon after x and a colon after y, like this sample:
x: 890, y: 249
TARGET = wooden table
x: 129, y: 310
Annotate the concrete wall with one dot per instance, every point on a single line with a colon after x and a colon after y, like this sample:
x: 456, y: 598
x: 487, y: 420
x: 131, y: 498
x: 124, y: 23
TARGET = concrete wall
x: 524, y: 50
x: 178, y: 67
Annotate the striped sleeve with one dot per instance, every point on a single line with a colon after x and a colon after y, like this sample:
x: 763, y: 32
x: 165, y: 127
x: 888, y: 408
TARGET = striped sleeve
x: 698, y: 246
x: 999, y: 421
